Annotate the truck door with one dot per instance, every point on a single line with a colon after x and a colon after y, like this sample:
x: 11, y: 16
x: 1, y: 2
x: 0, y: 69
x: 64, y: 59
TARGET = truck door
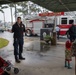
x: 37, y: 25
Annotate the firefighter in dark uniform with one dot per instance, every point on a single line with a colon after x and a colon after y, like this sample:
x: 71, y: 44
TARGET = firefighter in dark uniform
x: 18, y: 29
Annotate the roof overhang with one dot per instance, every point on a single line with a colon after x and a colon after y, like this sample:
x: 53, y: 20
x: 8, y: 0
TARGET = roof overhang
x: 10, y: 1
x: 57, y: 5
x: 53, y: 5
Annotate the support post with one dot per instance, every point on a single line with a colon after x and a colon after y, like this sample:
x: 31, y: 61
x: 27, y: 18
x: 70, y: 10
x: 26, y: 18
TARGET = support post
x: 75, y: 65
x: 54, y: 40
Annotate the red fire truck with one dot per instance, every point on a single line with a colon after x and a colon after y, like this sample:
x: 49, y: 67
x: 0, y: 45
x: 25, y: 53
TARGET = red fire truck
x: 64, y: 22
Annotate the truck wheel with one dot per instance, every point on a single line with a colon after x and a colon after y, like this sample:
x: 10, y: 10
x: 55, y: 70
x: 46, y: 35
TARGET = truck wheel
x: 8, y: 68
x: 16, y: 70
x: 28, y: 33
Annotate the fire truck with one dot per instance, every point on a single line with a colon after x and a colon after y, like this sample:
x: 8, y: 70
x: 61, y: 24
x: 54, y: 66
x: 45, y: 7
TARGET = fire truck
x: 47, y: 20
x: 64, y: 22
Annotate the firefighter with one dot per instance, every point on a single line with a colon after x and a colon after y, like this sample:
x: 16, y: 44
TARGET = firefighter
x: 58, y: 31
x: 68, y: 54
x: 18, y: 29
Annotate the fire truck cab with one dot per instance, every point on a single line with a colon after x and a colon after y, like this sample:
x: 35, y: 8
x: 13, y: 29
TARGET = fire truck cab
x: 64, y: 23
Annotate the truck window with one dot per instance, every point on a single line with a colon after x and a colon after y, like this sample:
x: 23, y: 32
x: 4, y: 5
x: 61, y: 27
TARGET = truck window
x: 70, y: 21
x: 63, y: 20
x: 48, y: 25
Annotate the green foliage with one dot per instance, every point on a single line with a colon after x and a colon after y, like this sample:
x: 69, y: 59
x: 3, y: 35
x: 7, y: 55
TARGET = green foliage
x: 11, y: 5
x: 1, y: 11
x: 28, y: 7
x: 23, y: 8
x: 47, y: 37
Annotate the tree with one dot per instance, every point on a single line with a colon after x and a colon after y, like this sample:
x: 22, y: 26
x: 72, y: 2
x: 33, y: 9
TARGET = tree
x: 28, y: 8
x: 11, y: 6
x: 1, y: 10
x: 3, y: 14
x: 35, y: 9
x: 23, y: 8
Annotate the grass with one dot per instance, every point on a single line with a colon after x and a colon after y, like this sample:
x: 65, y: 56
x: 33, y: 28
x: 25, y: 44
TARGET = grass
x: 3, y: 42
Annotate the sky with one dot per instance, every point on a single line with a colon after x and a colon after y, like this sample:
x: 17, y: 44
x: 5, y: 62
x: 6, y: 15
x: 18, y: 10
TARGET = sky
x: 7, y: 15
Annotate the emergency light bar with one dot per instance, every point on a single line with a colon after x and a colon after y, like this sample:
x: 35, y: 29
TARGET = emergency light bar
x: 51, y: 14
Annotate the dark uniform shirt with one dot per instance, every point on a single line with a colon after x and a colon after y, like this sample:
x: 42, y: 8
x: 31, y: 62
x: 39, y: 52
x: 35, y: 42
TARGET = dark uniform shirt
x: 72, y: 30
x: 18, y: 30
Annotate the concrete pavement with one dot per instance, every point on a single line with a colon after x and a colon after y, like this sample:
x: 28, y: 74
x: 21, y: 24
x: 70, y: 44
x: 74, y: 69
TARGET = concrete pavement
x: 40, y: 60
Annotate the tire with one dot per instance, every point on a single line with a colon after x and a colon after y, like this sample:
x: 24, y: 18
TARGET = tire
x: 16, y: 70
x: 28, y: 33
x: 8, y: 68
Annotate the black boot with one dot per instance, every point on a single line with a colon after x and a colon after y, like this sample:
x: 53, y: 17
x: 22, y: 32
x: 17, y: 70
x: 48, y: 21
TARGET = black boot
x: 16, y: 59
x: 20, y: 57
x: 66, y: 64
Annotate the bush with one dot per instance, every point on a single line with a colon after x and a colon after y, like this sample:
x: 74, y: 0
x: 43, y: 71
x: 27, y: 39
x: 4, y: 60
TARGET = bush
x: 47, y: 38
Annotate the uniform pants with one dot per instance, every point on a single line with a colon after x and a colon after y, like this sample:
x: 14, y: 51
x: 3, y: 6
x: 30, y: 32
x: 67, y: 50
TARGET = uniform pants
x: 18, y: 46
x: 57, y: 34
